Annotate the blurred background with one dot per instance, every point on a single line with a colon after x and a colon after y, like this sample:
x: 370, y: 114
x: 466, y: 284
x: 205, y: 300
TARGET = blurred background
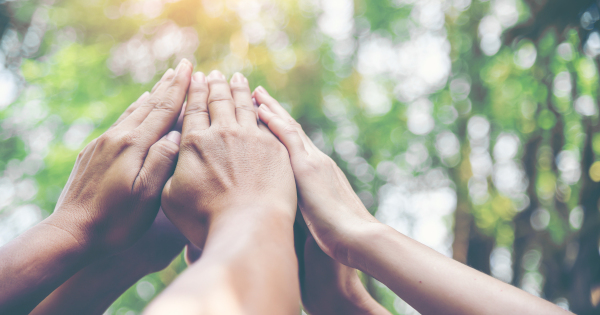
x: 469, y: 125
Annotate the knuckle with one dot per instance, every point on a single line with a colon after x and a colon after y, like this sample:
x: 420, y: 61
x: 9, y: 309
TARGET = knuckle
x: 165, y: 104
x: 191, y: 139
x: 166, y: 148
x: 219, y: 101
x: 239, y: 87
x: 198, y: 89
x: 227, y: 132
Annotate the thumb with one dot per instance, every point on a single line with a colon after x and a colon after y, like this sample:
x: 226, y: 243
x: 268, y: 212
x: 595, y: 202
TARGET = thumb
x: 160, y: 163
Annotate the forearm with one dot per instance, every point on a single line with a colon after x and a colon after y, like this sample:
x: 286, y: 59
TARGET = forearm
x: 248, y: 266
x: 36, y: 263
x: 435, y: 284
x: 93, y: 289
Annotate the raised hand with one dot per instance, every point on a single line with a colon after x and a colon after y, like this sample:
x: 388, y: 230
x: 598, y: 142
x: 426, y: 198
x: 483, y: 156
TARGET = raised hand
x: 226, y: 162
x: 333, y: 212
x: 327, y: 286
x: 113, y: 193
x: 110, y: 200
x: 344, y: 229
x: 232, y: 194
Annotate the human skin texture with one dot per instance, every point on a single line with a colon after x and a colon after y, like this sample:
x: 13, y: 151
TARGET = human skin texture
x: 110, y: 200
x: 343, y: 228
x: 93, y: 289
x: 232, y: 194
x: 328, y: 287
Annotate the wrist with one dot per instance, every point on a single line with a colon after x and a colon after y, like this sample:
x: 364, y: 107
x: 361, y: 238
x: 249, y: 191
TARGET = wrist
x: 74, y: 234
x: 351, y: 249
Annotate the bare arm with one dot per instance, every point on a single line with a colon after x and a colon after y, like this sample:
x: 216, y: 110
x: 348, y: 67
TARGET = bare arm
x: 347, y: 232
x: 93, y: 289
x: 108, y: 203
x: 232, y: 193
x: 248, y: 266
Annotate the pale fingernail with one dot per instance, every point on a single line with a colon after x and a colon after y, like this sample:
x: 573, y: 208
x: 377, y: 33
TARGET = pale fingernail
x: 254, y: 102
x: 174, y: 136
x: 199, y: 77
x: 167, y: 74
x: 143, y: 96
x: 262, y: 90
x: 182, y: 63
x: 265, y: 108
x: 237, y: 78
x: 216, y: 74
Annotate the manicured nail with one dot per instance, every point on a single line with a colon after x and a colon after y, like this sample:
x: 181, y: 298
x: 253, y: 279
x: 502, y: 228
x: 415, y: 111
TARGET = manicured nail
x: 199, y: 77
x: 174, y: 136
x: 262, y: 90
x: 254, y: 102
x: 215, y: 75
x: 237, y: 78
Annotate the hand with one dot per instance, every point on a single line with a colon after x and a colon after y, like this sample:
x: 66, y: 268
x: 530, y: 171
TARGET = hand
x: 155, y: 250
x: 93, y: 289
x: 227, y: 162
x: 113, y: 193
x: 327, y: 286
x: 333, y: 212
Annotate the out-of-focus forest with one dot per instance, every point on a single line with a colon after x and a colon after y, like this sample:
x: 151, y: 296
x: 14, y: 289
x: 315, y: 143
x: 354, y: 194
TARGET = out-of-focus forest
x: 469, y: 125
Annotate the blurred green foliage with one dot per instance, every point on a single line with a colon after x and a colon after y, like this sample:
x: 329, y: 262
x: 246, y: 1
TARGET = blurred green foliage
x: 509, y: 130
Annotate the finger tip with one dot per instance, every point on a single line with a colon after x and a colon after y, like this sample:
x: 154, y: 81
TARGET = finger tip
x: 174, y: 136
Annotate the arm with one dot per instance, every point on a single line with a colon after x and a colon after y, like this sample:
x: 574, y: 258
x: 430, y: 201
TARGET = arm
x: 329, y: 287
x: 110, y: 200
x: 247, y: 267
x: 93, y: 289
x: 233, y: 194
x: 347, y: 232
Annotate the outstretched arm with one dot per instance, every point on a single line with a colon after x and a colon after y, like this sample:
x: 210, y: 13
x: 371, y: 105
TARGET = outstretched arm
x: 93, y: 289
x: 109, y: 202
x: 344, y: 229
x: 232, y: 194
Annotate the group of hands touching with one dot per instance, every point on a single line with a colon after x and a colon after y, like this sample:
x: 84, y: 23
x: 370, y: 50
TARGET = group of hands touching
x: 195, y: 163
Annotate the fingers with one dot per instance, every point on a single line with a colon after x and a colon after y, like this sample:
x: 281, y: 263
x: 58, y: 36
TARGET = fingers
x: 221, y: 107
x: 196, y: 116
x: 159, y: 164
x: 242, y: 97
x: 287, y: 133
x: 262, y: 97
x: 166, y: 103
x: 131, y: 109
x: 141, y: 112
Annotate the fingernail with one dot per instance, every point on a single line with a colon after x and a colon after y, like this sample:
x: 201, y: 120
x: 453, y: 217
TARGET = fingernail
x: 143, y: 96
x: 254, y: 102
x: 237, y: 78
x: 199, y: 77
x: 174, y: 136
x: 182, y: 63
x: 167, y: 74
x: 261, y: 89
x: 216, y: 74
x: 265, y: 108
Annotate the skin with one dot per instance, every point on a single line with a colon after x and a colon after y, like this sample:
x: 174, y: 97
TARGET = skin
x: 110, y: 200
x: 327, y: 286
x: 93, y: 289
x: 343, y: 228
x: 233, y: 194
